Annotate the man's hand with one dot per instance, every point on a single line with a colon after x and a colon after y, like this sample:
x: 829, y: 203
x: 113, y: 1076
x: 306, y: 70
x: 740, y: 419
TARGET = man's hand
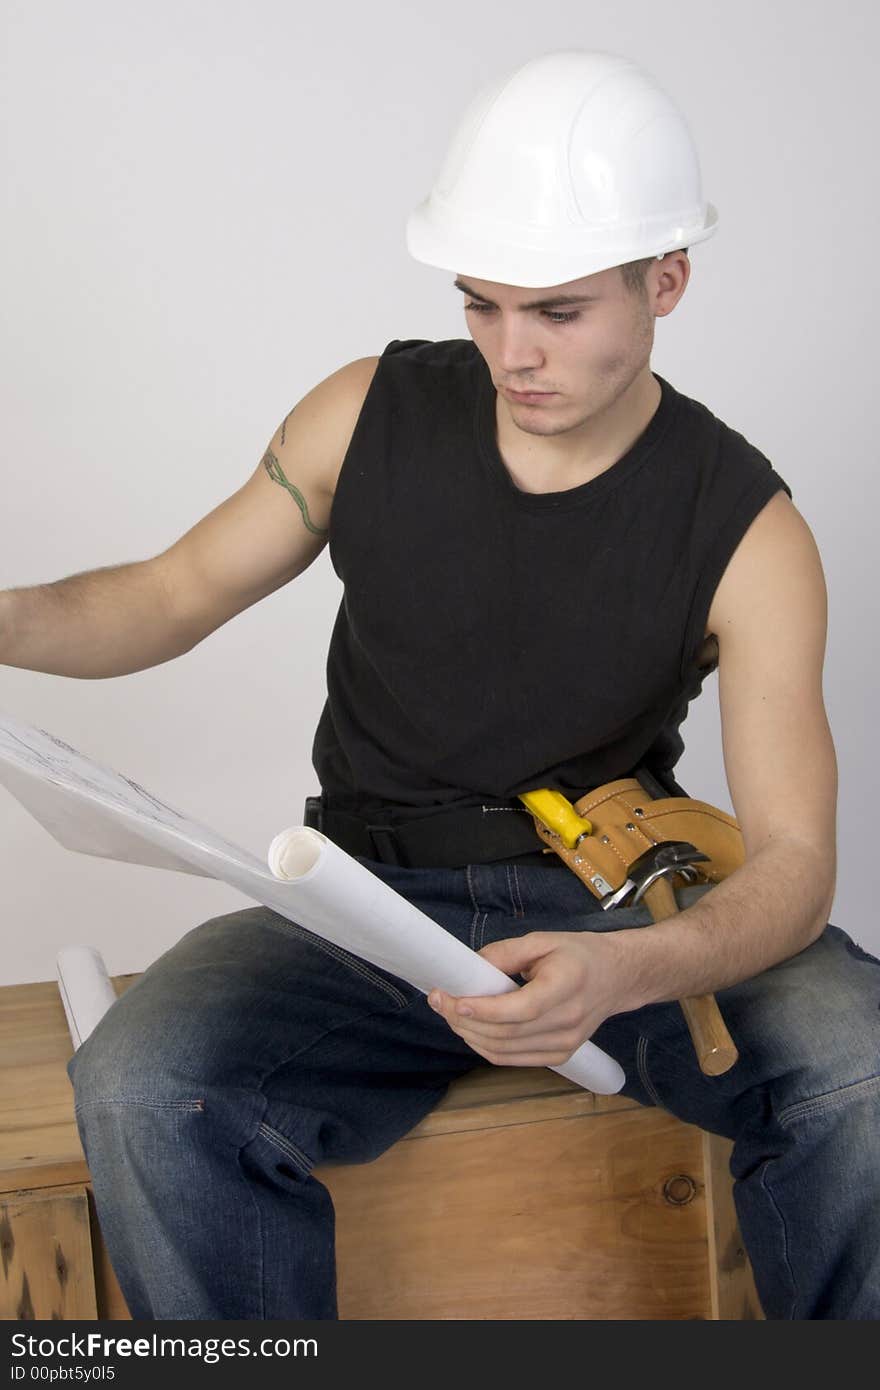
x: 574, y: 981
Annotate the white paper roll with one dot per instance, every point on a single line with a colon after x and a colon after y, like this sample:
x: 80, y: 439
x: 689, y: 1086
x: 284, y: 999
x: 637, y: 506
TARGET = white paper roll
x: 86, y: 989
x: 309, y: 880
x: 344, y: 902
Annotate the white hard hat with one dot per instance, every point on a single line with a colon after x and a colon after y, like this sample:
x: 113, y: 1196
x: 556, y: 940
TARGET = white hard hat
x: 575, y: 162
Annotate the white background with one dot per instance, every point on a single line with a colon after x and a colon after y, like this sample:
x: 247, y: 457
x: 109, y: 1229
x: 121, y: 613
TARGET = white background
x: 204, y: 216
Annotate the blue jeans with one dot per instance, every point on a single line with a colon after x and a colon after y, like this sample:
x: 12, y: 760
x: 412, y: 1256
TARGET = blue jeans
x: 252, y: 1051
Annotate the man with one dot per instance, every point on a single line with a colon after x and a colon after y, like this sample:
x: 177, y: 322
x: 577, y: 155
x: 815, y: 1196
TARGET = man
x: 535, y: 585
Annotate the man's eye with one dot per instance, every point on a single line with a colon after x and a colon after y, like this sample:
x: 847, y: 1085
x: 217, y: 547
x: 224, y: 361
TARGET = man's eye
x: 554, y: 315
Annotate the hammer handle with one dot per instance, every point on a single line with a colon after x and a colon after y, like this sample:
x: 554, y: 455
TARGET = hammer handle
x: 715, y: 1048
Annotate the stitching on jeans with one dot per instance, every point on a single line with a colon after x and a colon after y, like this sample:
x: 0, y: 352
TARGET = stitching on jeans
x: 476, y: 907
x: 473, y: 932
x: 258, y: 1216
x: 815, y: 1105
x: 478, y: 938
x: 642, y: 1068
x: 280, y: 1141
x: 352, y: 962
x: 470, y: 884
x: 513, y: 890
x: 328, y: 1032
x: 139, y: 1100
x: 776, y: 1208
x: 521, y: 910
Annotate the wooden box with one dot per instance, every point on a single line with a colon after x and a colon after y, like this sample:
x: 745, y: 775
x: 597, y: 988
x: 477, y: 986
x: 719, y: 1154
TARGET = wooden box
x: 521, y: 1196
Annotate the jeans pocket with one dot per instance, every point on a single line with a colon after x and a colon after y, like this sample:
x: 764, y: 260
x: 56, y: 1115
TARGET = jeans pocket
x: 292, y: 1161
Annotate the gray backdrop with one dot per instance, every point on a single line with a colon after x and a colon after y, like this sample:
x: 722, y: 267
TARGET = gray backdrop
x: 205, y: 207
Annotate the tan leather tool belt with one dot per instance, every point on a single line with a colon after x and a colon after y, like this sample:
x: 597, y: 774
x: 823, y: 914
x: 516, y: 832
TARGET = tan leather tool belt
x: 627, y: 823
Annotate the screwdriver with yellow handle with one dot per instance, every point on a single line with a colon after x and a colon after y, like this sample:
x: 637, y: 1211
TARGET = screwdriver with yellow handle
x: 715, y: 1049
x: 556, y: 812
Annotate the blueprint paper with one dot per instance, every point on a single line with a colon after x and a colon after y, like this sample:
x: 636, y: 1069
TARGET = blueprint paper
x: 308, y: 879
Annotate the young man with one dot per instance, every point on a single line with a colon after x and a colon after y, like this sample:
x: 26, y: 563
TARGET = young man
x: 544, y: 547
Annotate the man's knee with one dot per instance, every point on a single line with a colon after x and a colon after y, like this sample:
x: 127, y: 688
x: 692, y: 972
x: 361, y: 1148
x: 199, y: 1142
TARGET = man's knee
x: 811, y: 1025
x: 163, y: 1035
x: 135, y: 1052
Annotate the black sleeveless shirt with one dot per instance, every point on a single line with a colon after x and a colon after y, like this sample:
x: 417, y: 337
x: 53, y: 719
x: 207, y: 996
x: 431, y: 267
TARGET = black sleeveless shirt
x: 491, y: 641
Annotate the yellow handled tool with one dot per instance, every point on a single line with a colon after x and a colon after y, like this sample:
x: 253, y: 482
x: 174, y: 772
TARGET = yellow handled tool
x: 558, y: 814
x: 715, y: 1049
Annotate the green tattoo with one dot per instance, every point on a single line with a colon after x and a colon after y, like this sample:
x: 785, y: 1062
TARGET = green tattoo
x: 276, y: 473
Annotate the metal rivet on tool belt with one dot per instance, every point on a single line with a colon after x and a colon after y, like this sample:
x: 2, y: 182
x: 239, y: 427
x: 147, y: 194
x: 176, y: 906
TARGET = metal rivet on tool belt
x: 606, y: 840
x: 579, y: 859
x: 629, y: 825
x: 601, y: 883
x: 638, y: 810
x: 680, y: 1190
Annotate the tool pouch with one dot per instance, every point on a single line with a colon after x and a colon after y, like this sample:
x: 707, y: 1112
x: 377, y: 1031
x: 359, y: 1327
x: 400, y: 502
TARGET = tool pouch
x: 627, y: 821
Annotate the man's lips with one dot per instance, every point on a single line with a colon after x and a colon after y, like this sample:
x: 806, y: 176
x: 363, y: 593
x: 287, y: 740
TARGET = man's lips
x: 528, y: 395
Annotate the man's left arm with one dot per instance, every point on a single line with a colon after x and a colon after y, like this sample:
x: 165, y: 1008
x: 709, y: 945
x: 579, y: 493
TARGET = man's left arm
x: 769, y: 614
x: 770, y: 618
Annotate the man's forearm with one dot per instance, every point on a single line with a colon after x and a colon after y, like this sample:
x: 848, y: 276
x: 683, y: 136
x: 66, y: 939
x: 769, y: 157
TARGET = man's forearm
x: 106, y: 622
x: 769, y: 909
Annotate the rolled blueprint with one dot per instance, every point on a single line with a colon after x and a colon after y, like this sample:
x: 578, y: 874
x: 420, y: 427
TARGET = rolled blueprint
x: 309, y: 880
x: 344, y: 902
x: 86, y: 989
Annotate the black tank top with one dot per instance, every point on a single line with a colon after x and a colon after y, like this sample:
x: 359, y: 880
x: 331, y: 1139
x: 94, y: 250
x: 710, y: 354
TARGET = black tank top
x: 491, y: 641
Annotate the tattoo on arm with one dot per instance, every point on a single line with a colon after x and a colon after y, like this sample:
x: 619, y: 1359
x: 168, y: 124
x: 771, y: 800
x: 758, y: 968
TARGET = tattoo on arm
x: 276, y: 473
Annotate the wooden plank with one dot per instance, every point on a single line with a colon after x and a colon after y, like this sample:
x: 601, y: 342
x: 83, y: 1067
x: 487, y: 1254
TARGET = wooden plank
x: 47, y: 1256
x: 732, y: 1289
x: 488, y: 1097
x: 566, y: 1219
x: 108, y: 1295
x: 39, y: 1143
x: 38, y: 1172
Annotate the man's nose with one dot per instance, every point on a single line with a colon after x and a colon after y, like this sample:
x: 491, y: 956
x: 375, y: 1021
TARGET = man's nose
x: 517, y: 349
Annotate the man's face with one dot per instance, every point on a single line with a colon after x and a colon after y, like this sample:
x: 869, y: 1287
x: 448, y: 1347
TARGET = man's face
x: 586, y: 354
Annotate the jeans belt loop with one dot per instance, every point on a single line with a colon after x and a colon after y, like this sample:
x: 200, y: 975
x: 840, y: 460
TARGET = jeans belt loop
x: 384, y: 841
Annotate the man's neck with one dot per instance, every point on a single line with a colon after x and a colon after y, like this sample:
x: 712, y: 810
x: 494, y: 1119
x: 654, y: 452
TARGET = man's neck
x: 555, y: 463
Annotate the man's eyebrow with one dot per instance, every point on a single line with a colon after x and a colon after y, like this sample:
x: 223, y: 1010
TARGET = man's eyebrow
x: 534, y: 304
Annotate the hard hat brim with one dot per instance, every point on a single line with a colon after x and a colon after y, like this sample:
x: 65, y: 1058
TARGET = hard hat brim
x: 497, y: 259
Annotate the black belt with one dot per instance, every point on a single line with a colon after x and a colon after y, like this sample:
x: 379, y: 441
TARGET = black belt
x: 445, y: 839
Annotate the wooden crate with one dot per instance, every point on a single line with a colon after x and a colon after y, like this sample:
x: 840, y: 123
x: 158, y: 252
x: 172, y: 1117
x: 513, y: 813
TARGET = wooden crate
x: 521, y: 1196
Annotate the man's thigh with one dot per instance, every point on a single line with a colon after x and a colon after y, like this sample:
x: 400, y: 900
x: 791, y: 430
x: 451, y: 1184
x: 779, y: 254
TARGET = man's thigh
x: 274, y: 1026
x: 807, y: 1031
